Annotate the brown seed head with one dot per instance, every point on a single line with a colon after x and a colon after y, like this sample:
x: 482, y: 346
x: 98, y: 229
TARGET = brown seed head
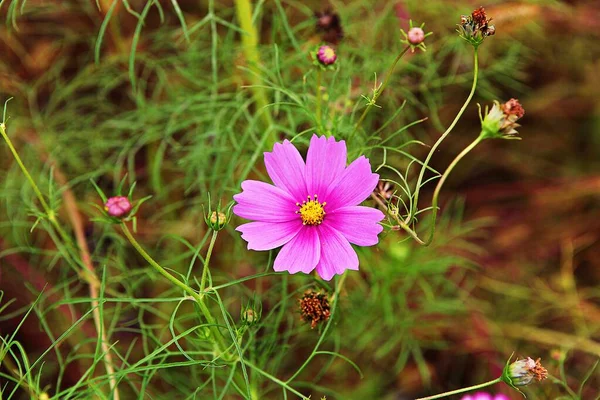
x: 539, y: 372
x: 479, y: 17
x: 314, y: 307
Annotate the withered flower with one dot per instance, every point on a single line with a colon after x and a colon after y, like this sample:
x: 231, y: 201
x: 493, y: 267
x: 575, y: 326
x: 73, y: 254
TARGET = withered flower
x: 501, y: 120
x: 314, y: 307
x: 476, y: 27
x: 330, y: 25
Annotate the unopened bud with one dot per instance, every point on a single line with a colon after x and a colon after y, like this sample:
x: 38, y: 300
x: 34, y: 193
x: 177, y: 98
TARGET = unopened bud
x: 117, y: 206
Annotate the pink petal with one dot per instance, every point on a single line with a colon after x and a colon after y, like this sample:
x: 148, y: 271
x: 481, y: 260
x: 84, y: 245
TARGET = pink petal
x: 482, y: 396
x: 501, y: 397
x: 286, y: 168
x: 325, y: 162
x: 354, y: 185
x: 263, y: 202
x: 269, y: 235
x: 301, y: 253
x: 337, y: 255
x: 359, y: 225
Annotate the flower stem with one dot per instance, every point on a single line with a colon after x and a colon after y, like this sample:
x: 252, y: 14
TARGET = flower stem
x: 199, y: 299
x: 249, y: 46
x: 213, y: 239
x: 90, y: 275
x: 436, y: 194
x: 35, y: 187
x: 377, y: 92
x: 467, y: 389
x: 413, y: 210
x: 318, y: 99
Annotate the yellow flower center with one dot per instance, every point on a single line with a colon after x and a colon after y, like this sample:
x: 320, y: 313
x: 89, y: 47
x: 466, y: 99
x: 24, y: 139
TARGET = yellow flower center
x: 311, y: 211
x: 329, y: 53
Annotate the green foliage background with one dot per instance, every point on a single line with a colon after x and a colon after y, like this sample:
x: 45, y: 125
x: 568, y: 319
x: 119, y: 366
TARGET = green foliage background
x: 159, y: 92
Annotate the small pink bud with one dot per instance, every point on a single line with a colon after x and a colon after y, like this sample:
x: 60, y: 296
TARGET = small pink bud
x: 326, y: 55
x: 416, y: 36
x: 117, y: 206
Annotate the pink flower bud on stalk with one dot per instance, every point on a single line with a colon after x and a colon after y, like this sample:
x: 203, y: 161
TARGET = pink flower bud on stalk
x: 416, y: 36
x: 326, y: 55
x: 118, y: 206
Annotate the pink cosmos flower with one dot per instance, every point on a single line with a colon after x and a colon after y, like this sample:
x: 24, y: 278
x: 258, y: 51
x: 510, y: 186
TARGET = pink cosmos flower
x: 312, y: 210
x: 484, y: 396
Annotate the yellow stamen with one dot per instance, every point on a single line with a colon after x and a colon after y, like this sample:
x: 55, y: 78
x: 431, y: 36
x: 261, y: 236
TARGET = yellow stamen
x: 311, y: 211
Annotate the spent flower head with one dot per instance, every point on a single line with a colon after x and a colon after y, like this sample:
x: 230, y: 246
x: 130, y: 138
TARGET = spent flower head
x: 523, y: 372
x: 312, y: 210
x: 415, y: 37
x: 476, y: 27
x: 501, y: 120
x: 314, y: 307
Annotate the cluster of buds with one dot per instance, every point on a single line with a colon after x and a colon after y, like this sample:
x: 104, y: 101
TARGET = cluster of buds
x: 523, y: 372
x: 501, y: 120
x: 325, y: 57
x: 314, y: 307
x: 476, y: 27
x: 415, y: 37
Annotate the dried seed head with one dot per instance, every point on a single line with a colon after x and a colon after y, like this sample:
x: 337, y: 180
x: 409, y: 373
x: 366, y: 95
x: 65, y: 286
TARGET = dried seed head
x: 523, y: 372
x: 501, y: 120
x: 314, y: 307
x: 476, y: 27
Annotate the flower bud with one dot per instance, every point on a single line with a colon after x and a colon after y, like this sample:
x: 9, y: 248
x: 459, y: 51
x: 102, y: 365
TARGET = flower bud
x: 118, y: 206
x: 416, y: 36
x: 251, y: 313
x: 326, y: 55
x: 523, y: 372
x: 218, y: 219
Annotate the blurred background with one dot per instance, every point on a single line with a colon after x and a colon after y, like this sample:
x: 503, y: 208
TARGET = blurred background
x: 157, y: 92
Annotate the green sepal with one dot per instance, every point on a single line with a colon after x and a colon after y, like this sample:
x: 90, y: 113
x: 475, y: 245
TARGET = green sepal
x: 506, y: 376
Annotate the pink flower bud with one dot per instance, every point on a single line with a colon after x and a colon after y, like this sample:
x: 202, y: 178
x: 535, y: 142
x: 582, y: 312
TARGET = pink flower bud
x: 416, y: 36
x: 326, y: 55
x: 117, y: 206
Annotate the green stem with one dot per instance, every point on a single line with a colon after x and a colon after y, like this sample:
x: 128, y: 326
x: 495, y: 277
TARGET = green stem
x: 413, y: 210
x: 37, y: 191
x: 199, y: 299
x: 436, y: 194
x: 378, y: 91
x: 318, y: 94
x: 467, y: 389
x: 250, y: 47
x: 213, y: 239
x: 438, y: 188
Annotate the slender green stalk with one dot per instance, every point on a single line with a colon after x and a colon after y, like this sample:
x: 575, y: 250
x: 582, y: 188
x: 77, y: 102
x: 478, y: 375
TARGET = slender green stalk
x: 467, y: 389
x: 436, y: 194
x: 319, y: 98
x: 378, y: 91
x: 250, y: 47
x: 413, y: 211
x: 35, y: 187
x: 199, y: 299
x: 89, y: 273
x: 213, y: 239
